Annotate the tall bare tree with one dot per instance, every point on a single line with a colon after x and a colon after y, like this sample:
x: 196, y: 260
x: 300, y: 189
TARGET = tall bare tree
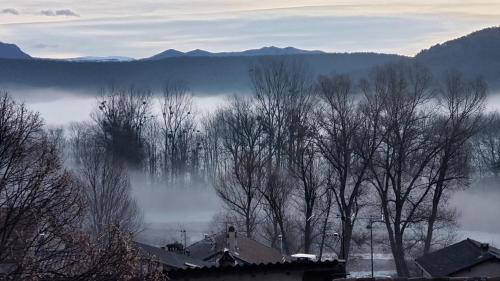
x: 239, y: 183
x: 407, y: 146
x: 282, y: 92
x: 461, y: 103
x: 347, y: 139
x: 177, y: 130
x: 105, y: 185
x: 39, y: 200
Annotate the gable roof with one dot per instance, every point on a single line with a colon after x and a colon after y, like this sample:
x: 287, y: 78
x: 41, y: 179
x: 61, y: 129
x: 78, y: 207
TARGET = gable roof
x: 249, y: 250
x: 171, y: 259
x: 456, y: 257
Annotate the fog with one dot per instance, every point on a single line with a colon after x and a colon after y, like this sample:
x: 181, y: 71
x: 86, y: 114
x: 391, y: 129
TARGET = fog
x: 479, y: 211
x: 60, y: 111
x: 167, y: 210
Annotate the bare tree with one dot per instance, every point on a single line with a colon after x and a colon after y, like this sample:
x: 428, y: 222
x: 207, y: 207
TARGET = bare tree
x: 407, y: 146
x: 111, y: 255
x: 347, y: 140
x: 461, y: 104
x: 487, y: 146
x: 277, y: 195
x: 153, y: 145
x: 105, y: 186
x: 239, y: 183
x: 120, y: 118
x: 307, y: 169
x: 177, y: 130
x: 39, y: 201
x: 211, y: 142
x: 282, y: 92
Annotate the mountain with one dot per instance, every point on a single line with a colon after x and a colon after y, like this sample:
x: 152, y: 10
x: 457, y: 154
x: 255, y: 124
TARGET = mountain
x: 170, y: 53
x: 476, y: 54
x: 199, y: 53
x: 11, y: 51
x: 265, y: 51
x: 101, y: 59
x: 275, y: 51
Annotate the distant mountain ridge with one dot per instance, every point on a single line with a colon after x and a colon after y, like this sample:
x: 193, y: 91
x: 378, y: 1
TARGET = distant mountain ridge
x: 12, y: 51
x: 476, y: 54
x: 203, y: 74
x: 101, y: 59
x: 264, y: 51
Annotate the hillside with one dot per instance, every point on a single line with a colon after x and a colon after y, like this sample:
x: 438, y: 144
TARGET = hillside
x: 11, y: 51
x: 475, y: 54
x: 204, y: 74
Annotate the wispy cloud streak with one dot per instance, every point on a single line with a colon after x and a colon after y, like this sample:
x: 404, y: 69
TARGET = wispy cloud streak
x: 55, y: 13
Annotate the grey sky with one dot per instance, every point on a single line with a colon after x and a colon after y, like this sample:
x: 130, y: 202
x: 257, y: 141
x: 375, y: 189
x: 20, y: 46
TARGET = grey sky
x: 70, y: 28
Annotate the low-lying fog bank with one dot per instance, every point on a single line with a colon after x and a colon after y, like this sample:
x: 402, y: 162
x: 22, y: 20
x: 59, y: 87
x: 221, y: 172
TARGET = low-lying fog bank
x: 479, y: 211
x: 168, y: 210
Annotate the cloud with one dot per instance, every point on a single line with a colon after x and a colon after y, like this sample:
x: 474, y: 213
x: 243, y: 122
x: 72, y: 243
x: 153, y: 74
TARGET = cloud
x: 55, y: 13
x: 10, y: 11
x: 44, y: 46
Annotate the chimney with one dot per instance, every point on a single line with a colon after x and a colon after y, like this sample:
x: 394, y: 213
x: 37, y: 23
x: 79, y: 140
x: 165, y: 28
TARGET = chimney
x: 484, y: 248
x: 232, y: 239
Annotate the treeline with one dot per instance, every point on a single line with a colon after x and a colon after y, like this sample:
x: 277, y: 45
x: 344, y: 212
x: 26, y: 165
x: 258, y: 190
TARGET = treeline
x: 300, y: 159
x: 305, y: 156
x: 389, y: 149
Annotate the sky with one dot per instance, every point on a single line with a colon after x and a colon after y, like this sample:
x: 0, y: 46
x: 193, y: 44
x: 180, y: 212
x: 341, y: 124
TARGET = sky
x: 142, y: 28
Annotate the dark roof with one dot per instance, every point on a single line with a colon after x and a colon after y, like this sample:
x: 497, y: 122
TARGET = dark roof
x: 335, y: 267
x: 171, y: 259
x: 249, y: 250
x: 456, y: 257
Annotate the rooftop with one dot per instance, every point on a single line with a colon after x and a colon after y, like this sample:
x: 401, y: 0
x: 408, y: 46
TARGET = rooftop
x: 169, y: 258
x: 249, y: 250
x: 457, y: 257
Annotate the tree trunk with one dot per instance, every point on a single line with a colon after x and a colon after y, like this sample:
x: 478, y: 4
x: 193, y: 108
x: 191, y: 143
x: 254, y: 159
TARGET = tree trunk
x: 284, y: 238
x: 347, y: 233
x: 307, y: 235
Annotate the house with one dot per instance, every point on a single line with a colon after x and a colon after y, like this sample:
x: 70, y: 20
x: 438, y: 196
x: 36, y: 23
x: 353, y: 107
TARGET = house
x: 244, y: 249
x: 170, y: 257
x: 302, y: 270
x: 228, y: 257
x: 468, y: 258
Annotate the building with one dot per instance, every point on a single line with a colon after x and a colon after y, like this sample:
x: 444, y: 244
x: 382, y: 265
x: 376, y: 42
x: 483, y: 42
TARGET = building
x: 244, y: 249
x: 468, y: 258
x: 303, y: 270
x: 228, y: 257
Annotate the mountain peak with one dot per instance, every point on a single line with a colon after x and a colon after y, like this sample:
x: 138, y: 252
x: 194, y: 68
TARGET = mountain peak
x: 12, y: 51
x: 198, y: 53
